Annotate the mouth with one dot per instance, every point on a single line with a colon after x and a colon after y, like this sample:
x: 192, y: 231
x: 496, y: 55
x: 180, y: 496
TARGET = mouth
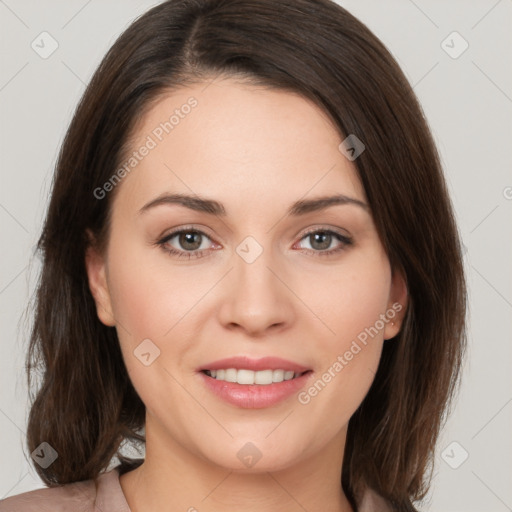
x: 254, y: 383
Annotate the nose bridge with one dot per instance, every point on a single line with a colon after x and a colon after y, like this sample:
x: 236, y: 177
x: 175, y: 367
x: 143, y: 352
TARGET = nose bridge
x: 251, y: 266
x: 258, y: 299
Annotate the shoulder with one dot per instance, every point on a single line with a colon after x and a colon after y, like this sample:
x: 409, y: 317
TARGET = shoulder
x: 373, y: 502
x: 81, y: 496
x: 78, y: 496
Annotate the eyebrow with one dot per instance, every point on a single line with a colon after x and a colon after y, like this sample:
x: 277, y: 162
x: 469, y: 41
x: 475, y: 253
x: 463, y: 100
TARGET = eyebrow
x: 213, y: 207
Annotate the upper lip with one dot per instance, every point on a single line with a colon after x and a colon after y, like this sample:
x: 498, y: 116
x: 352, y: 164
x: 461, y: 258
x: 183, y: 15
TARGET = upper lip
x: 247, y: 363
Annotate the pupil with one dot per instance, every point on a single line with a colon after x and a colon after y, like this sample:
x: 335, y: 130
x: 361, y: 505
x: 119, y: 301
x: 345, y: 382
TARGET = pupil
x: 323, y: 239
x: 187, y: 240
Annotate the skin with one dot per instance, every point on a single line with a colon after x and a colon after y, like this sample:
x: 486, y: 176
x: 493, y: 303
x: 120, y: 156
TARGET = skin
x: 257, y: 151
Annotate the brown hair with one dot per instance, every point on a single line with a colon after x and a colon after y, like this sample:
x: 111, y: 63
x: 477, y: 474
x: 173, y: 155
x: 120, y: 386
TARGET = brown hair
x: 86, y: 405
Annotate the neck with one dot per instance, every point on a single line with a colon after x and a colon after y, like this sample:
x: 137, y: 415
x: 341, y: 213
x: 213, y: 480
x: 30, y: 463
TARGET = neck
x: 173, y: 478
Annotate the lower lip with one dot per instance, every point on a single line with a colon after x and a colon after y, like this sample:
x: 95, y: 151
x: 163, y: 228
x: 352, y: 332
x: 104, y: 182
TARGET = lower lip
x: 255, y: 396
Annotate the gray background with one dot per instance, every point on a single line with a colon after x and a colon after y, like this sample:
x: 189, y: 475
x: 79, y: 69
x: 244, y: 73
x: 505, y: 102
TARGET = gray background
x: 468, y: 102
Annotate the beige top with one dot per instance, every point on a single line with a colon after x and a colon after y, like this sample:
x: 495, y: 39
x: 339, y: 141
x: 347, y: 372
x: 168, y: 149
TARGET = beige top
x: 106, y: 495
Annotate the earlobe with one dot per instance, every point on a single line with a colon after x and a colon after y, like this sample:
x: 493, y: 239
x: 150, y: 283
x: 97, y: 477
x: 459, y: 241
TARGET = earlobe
x: 397, y: 305
x: 96, y: 273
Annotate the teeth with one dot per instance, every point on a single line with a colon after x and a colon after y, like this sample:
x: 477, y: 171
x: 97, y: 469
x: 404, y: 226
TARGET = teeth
x: 262, y: 377
x: 245, y: 376
x: 278, y: 376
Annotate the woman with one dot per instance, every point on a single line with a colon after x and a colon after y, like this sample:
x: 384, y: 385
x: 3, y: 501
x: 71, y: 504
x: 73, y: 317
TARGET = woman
x: 251, y: 266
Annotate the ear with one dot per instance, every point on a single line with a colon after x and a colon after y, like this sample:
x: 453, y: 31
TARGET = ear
x: 96, y: 271
x: 397, y: 305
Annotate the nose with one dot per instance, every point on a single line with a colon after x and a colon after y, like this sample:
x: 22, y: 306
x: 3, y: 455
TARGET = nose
x: 256, y: 299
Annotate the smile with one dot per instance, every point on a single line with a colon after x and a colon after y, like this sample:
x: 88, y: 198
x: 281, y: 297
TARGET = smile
x: 250, y: 377
x: 254, y: 383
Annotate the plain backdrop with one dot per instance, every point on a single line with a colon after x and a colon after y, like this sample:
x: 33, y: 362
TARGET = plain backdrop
x: 466, y: 94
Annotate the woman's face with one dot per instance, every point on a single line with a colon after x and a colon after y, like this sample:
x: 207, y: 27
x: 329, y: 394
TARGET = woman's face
x: 266, y: 271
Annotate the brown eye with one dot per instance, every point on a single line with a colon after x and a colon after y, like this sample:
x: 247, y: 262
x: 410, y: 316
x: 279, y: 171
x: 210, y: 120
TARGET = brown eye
x: 186, y: 242
x: 190, y: 240
x: 323, y: 242
x: 320, y: 240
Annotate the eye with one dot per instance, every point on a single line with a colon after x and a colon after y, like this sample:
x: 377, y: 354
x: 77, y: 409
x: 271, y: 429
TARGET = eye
x: 186, y: 243
x: 193, y: 243
x: 188, y: 240
x: 321, y: 241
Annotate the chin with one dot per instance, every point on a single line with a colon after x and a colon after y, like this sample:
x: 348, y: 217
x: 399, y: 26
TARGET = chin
x: 253, y: 457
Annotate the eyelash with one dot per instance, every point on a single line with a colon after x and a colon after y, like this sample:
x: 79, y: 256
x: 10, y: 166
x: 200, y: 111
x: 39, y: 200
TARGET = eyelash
x: 345, y: 241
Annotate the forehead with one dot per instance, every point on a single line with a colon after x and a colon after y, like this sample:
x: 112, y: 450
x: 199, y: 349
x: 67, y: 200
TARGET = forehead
x: 240, y: 143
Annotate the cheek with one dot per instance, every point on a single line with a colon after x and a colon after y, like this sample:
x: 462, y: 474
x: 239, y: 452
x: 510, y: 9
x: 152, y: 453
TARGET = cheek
x: 152, y: 303
x: 350, y: 305
x: 154, y: 300
x: 350, y: 298
x: 149, y: 295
